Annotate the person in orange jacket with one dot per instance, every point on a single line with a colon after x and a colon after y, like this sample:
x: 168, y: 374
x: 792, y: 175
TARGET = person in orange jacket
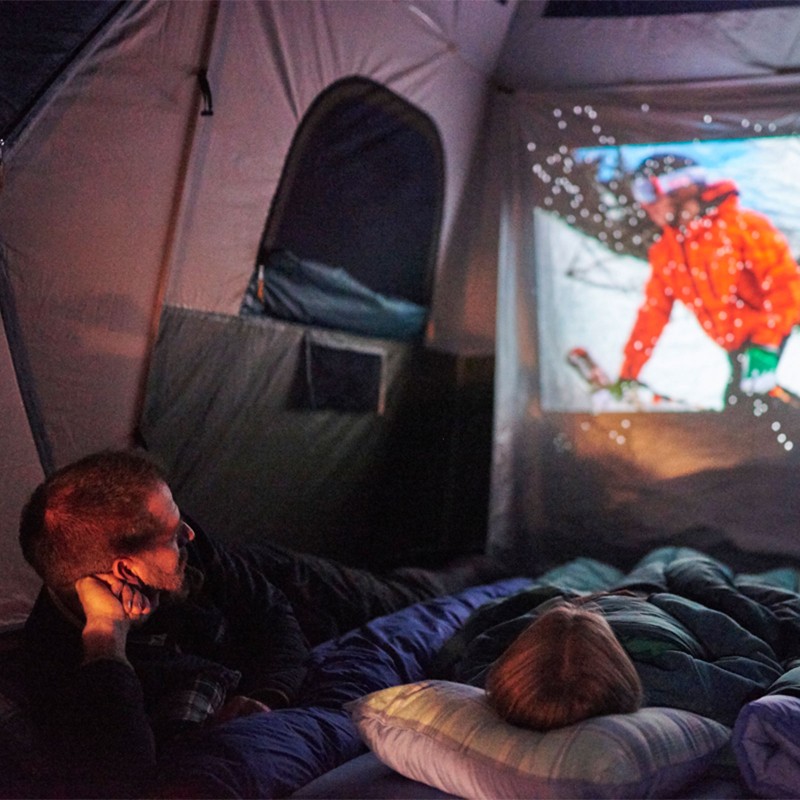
x: 729, y: 265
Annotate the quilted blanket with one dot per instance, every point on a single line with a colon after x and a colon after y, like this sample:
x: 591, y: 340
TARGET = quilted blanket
x: 703, y: 638
x: 736, y: 635
x: 731, y: 640
x: 766, y: 742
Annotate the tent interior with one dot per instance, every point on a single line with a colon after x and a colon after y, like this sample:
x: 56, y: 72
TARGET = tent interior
x: 327, y: 260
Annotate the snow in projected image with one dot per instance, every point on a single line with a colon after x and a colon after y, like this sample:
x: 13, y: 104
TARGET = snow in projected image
x: 592, y: 242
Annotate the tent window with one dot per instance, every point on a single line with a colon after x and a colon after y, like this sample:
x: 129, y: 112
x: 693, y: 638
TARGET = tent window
x: 361, y: 192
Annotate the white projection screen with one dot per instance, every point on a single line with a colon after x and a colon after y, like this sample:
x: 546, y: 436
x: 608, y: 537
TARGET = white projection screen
x: 586, y: 465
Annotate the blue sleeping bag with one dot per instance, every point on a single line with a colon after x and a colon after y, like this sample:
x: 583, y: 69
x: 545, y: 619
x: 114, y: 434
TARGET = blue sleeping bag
x: 766, y: 739
x: 311, y: 293
x: 273, y: 755
x: 766, y: 742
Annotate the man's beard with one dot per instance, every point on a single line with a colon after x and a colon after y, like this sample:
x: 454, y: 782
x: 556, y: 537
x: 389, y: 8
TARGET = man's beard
x: 173, y: 587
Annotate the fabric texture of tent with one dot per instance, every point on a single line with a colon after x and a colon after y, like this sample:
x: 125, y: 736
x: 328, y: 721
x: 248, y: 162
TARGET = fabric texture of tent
x: 123, y: 200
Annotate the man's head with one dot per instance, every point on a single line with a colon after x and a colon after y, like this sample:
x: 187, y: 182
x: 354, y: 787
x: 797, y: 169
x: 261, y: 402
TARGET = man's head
x: 669, y: 187
x: 108, y: 512
x: 564, y: 667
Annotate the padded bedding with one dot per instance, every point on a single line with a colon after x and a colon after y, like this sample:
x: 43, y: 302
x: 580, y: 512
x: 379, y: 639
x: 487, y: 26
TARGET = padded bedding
x: 425, y: 730
x: 702, y: 638
x: 368, y: 777
x: 766, y: 741
x: 358, y: 680
x: 274, y: 755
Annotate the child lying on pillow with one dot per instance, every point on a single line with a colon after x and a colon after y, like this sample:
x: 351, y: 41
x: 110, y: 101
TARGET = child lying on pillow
x: 565, y: 667
x: 700, y: 642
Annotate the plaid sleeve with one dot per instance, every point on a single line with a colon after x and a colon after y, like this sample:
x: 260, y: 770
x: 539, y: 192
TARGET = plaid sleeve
x: 200, y: 699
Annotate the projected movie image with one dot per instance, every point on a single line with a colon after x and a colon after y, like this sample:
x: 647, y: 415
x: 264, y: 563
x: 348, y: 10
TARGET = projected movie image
x: 667, y: 276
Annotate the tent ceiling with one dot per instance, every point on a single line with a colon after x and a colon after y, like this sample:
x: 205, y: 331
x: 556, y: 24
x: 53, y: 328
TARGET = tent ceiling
x: 586, y: 48
x: 647, y: 8
x: 37, y: 41
x: 550, y: 43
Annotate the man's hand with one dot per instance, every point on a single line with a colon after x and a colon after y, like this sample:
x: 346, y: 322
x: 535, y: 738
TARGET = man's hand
x: 111, y: 606
x: 239, y: 706
x: 106, y: 598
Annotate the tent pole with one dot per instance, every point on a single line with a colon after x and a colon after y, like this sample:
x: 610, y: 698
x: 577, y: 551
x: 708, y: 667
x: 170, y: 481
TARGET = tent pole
x: 202, y: 109
x: 22, y: 370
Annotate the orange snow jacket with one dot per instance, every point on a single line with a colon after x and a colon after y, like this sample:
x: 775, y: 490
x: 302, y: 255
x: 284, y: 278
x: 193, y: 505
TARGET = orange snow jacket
x: 732, y: 268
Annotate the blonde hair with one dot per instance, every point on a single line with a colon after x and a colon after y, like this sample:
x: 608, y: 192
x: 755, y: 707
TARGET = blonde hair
x: 566, y: 666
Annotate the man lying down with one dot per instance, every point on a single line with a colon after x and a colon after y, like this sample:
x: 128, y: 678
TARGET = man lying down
x: 684, y: 632
x: 146, y: 628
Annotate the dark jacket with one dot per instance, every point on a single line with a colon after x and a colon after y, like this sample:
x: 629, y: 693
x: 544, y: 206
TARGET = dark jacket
x: 104, y: 722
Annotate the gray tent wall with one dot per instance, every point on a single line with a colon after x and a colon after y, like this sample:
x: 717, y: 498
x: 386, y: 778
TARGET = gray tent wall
x: 120, y: 199
x: 21, y: 470
x: 118, y: 196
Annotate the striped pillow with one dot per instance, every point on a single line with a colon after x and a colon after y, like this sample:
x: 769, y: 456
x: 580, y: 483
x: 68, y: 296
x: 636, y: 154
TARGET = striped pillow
x: 446, y: 735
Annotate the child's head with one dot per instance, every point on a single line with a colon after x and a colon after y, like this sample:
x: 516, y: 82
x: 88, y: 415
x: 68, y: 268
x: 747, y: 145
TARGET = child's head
x: 566, y: 666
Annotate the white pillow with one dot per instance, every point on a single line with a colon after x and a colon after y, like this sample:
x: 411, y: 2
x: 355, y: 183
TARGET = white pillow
x: 446, y: 735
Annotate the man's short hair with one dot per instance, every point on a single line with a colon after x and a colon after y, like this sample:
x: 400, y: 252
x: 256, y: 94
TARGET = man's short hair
x: 88, y: 513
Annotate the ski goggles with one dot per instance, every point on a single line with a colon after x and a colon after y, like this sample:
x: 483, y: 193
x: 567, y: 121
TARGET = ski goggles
x: 647, y: 189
